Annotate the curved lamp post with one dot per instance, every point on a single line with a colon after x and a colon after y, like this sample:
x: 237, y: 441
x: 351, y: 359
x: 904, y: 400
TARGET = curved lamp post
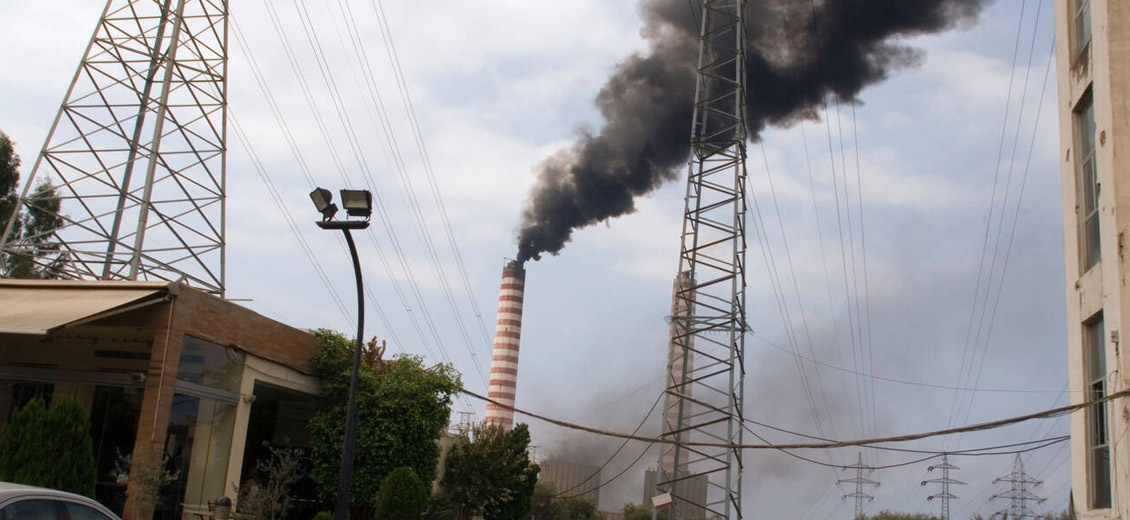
x: 357, y: 203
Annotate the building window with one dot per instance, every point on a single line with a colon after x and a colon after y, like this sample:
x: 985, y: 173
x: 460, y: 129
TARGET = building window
x: 1081, y: 29
x: 1088, y: 185
x: 1098, y: 444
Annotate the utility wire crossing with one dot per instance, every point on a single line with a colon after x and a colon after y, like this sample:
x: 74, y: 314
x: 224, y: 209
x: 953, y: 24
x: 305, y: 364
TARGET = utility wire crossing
x: 820, y: 445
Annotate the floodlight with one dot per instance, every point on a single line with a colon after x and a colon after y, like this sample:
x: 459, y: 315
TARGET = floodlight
x: 357, y: 203
x: 323, y: 201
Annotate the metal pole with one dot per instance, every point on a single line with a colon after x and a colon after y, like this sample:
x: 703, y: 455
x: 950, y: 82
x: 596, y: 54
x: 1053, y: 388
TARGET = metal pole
x: 345, y: 481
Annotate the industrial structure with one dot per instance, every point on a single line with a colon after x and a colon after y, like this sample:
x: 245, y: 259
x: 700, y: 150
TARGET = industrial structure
x: 1093, y: 76
x: 507, y: 336
x: 1019, y: 494
x: 705, y: 377
x: 944, y: 496
x: 570, y: 479
x: 137, y: 152
x: 859, y: 482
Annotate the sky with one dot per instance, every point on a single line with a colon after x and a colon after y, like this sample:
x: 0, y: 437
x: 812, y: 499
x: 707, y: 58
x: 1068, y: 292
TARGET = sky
x: 923, y: 220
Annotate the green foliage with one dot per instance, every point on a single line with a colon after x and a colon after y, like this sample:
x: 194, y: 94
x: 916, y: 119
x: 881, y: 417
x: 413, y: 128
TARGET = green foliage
x: 49, y: 448
x: 549, y: 506
x: 148, y: 476
x: 323, y: 515
x: 642, y: 512
x: 1062, y: 515
x: 36, y: 224
x: 891, y: 515
x: 402, y: 496
x: 403, y: 408
x: 272, y: 499
x: 492, y: 474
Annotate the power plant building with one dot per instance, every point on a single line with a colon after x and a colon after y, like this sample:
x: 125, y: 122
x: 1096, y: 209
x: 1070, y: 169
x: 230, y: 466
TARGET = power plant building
x: 571, y: 480
x: 1093, y: 63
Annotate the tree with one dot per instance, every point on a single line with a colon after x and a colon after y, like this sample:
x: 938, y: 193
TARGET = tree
x: 35, y: 225
x: 402, y: 496
x: 403, y: 408
x: 642, y: 512
x: 547, y: 505
x: 49, y: 448
x: 490, y: 473
x: 891, y: 515
x: 272, y: 499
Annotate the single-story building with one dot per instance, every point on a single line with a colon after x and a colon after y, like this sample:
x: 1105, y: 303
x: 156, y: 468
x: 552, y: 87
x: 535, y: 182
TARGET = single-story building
x: 163, y: 369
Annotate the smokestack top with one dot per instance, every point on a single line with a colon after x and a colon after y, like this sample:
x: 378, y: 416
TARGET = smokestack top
x: 515, y: 269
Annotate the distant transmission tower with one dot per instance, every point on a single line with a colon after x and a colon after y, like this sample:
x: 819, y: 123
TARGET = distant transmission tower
x: 945, y: 496
x: 705, y: 376
x: 1018, y: 495
x: 859, y: 480
x: 137, y: 150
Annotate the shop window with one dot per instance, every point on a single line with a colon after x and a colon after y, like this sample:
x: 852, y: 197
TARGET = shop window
x: 205, y: 363
x: 1088, y: 184
x: 114, y: 413
x: 201, y: 418
x: 1098, y: 438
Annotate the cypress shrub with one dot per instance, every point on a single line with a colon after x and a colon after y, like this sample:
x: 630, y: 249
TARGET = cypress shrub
x: 49, y: 448
x: 402, y: 496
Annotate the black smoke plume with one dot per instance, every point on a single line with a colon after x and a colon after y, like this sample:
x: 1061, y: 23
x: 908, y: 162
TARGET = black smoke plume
x: 799, y: 55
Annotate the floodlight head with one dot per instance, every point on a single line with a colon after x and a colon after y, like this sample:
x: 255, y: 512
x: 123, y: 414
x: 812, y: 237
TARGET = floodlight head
x: 357, y: 203
x: 323, y: 202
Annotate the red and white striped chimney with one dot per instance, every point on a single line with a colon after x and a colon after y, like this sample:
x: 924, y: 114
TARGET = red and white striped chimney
x: 507, y: 333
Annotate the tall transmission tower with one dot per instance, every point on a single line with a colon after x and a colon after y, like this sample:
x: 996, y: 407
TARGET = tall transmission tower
x: 945, y: 496
x: 860, y: 481
x: 1018, y: 495
x: 706, y: 374
x: 137, y: 149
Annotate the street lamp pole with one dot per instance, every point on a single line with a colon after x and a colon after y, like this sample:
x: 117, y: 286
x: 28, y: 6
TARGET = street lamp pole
x: 345, y: 480
x: 357, y: 203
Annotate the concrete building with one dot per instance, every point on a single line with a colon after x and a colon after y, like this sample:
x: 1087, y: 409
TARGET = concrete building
x: 166, y: 371
x: 1093, y: 47
x: 572, y: 480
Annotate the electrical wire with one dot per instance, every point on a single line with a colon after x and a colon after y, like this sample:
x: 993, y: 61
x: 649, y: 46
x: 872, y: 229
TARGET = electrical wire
x: 613, y: 456
x: 904, y: 381
x: 1054, y: 412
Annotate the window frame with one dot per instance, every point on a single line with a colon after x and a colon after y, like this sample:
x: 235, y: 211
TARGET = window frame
x: 1097, y: 416
x: 1088, y: 187
x: 1080, y: 26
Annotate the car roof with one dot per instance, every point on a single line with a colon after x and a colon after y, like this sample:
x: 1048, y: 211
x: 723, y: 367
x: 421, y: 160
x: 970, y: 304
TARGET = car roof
x: 10, y: 491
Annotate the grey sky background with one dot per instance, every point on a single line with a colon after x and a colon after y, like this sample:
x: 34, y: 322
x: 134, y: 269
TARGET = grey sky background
x: 498, y: 86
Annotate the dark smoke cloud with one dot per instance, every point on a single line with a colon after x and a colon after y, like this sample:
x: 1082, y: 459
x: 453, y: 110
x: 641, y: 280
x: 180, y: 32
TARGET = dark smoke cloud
x: 798, y: 55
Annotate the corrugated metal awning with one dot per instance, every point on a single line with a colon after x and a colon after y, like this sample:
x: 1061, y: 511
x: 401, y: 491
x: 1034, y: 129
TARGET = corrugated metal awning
x: 42, y: 306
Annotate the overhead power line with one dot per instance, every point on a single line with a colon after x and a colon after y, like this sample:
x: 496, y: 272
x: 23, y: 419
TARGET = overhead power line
x: 820, y: 445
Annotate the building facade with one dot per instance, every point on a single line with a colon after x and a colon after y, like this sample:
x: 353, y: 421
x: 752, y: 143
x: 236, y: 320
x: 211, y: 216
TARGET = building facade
x: 168, y: 373
x: 1092, y: 51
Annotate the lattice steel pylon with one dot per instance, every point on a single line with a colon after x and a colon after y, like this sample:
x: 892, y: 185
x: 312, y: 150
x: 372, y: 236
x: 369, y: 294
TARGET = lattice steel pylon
x: 945, y: 496
x: 137, y: 150
x: 1018, y: 494
x: 859, y: 481
x: 706, y: 374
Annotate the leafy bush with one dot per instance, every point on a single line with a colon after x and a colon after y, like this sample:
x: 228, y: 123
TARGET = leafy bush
x: 49, y: 448
x: 403, y: 408
x: 402, y: 496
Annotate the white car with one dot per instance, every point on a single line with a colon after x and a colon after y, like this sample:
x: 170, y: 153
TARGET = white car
x: 19, y: 502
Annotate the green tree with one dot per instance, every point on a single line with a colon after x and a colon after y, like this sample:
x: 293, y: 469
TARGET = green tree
x: 49, y: 448
x: 642, y: 512
x: 36, y: 224
x: 403, y: 408
x: 892, y: 515
x: 549, y: 505
x: 402, y: 496
x: 490, y: 473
